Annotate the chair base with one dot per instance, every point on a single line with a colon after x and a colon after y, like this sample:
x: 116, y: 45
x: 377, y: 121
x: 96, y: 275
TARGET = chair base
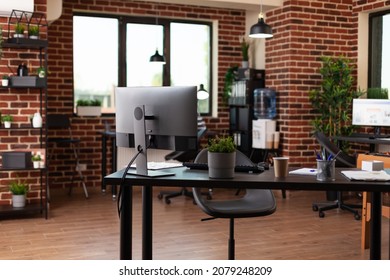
x: 169, y: 195
x: 337, y: 204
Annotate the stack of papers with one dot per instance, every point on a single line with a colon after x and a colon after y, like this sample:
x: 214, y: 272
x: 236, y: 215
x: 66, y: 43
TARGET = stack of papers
x: 304, y: 171
x: 160, y: 165
x: 362, y: 175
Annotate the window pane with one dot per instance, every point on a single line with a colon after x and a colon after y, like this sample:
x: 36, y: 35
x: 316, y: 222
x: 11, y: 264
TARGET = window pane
x: 139, y: 48
x: 386, y: 53
x: 190, y: 57
x: 95, y: 59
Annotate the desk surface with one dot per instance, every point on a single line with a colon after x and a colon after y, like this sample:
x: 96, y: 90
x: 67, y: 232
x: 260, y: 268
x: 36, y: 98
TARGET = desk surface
x: 364, y: 138
x: 199, y: 178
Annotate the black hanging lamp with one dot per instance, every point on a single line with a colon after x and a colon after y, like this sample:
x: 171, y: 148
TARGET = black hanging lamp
x: 261, y: 29
x: 202, y: 94
x: 157, y: 58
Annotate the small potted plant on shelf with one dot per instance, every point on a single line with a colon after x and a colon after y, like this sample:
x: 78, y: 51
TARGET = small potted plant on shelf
x: 86, y: 107
x: 33, y: 32
x: 5, y: 81
x: 19, y: 30
x: 245, y: 52
x: 36, y: 159
x: 7, y: 120
x: 221, y: 157
x: 19, y: 191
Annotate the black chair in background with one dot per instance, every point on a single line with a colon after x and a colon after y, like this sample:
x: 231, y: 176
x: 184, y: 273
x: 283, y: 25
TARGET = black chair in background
x: 182, y: 156
x: 342, y: 160
x: 62, y: 125
x: 255, y: 202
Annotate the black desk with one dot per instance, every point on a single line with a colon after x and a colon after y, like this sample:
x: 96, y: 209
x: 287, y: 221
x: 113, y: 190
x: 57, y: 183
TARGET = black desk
x: 106, y: 135
x: 266, y: 180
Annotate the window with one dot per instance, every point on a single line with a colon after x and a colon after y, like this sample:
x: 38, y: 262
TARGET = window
x: 95, y: 59
x: 122, y: 58
x: 379, y: 67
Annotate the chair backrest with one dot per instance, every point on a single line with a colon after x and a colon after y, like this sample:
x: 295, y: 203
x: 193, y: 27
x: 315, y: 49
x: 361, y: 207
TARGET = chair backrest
x: 57, y: 121
x: 330, y: 147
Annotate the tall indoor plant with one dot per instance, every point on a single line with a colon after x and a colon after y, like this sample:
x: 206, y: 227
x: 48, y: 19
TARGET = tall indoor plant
x: 332, y: 102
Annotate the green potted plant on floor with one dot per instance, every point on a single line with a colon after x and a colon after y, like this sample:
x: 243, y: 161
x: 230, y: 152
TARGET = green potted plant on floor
x: 85, y: 107
x: 7, y: 120
x: 221, y: 157
x: 19, y: 191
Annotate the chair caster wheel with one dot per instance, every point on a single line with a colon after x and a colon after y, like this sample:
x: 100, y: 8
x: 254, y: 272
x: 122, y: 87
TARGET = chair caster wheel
x: 159, y: 196
x: 321, y: 214
x: 357, y: 217
x: 167, y: 201
x: 315, y: 208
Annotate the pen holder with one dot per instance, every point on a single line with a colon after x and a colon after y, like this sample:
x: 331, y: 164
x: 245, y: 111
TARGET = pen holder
x: 326, y: 170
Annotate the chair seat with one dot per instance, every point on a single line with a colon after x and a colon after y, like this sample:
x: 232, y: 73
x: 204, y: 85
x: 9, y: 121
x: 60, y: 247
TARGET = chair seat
x: 255, y: 203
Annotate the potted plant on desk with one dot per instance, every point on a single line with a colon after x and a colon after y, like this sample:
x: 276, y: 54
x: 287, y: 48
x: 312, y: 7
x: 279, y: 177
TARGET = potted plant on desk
x: 221, y: 157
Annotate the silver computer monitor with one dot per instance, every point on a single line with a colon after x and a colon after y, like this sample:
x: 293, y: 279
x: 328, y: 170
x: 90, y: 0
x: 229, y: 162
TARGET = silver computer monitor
x: 167, y: 115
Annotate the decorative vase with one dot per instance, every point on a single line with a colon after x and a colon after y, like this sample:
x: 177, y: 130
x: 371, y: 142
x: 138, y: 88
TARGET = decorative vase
x: 18, y: 200
x: 7, y: 124
x: 221, y: 165
x: 37, y: 120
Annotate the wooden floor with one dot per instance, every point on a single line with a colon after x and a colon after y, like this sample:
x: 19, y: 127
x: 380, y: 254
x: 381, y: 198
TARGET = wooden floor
x: 88, y: 229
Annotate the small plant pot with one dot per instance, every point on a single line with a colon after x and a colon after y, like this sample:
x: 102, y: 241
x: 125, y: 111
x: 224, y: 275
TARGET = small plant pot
x: 221, y: 165
x: 18, y: 201
x: 4, y: 82
x: 7, y: 124
x: 18, y: 35
x: 36, y: 164
x: 35, y: 37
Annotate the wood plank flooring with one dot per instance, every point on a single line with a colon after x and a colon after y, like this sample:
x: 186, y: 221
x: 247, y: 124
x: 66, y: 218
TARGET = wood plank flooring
x: 88, y: 229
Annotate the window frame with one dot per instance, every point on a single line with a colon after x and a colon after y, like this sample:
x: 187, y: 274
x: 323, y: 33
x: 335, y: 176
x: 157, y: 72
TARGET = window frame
x: 165, y: 22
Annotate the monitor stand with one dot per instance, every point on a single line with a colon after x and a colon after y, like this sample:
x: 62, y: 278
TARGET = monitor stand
x: 141, y: 160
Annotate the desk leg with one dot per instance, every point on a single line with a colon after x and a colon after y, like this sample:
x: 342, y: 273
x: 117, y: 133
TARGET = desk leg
x: 104, y: 165
x: 113, y: 164
x: 147, y: 223
x: 126, y: 223
x: 375, y: 226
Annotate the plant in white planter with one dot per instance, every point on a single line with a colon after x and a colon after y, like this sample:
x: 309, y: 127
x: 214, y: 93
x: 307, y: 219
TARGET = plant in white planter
x: 245, y: 52
x: 7, y: 120
x: 36, y: 159
x: 88, y: 107
x: 19, y: 191
x: 5, y: 81
x: 19, y: 30
x: 33, y: 32
x: 221, y: 157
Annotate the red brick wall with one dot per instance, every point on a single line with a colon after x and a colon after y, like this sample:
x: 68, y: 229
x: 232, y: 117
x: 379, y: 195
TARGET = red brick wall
x: 20, y: 103
x: 231, y: 26
x: 303, y: 32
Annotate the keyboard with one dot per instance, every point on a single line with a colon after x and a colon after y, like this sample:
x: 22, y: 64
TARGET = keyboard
x: 237, y: 168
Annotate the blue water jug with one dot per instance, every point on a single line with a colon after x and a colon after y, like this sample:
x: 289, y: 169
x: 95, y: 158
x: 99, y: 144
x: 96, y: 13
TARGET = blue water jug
x: 264, y: 103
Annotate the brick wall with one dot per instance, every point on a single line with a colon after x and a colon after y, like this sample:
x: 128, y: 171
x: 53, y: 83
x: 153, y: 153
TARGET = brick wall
x: 303, y: 32
x: 21, y: 104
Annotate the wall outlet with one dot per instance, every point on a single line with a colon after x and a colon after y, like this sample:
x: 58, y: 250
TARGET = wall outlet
x: 81, y: 167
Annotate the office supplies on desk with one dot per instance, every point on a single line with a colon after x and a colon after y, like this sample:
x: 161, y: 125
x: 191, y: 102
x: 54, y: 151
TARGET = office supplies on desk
x: 362, y: 175
x: 152, y: 165
x: 304, y: 171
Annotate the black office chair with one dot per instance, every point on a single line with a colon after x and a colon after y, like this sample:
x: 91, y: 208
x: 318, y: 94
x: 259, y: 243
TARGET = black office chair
x: 182, y: 156
x: 255, y: 202
x: 342, y: 159
x: 59, y: 123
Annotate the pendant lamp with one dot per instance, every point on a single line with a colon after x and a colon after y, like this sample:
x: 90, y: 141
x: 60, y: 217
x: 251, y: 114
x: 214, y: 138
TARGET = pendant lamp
x: 202, y: 93
x: 261, y: 29
x: 157, y: 58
